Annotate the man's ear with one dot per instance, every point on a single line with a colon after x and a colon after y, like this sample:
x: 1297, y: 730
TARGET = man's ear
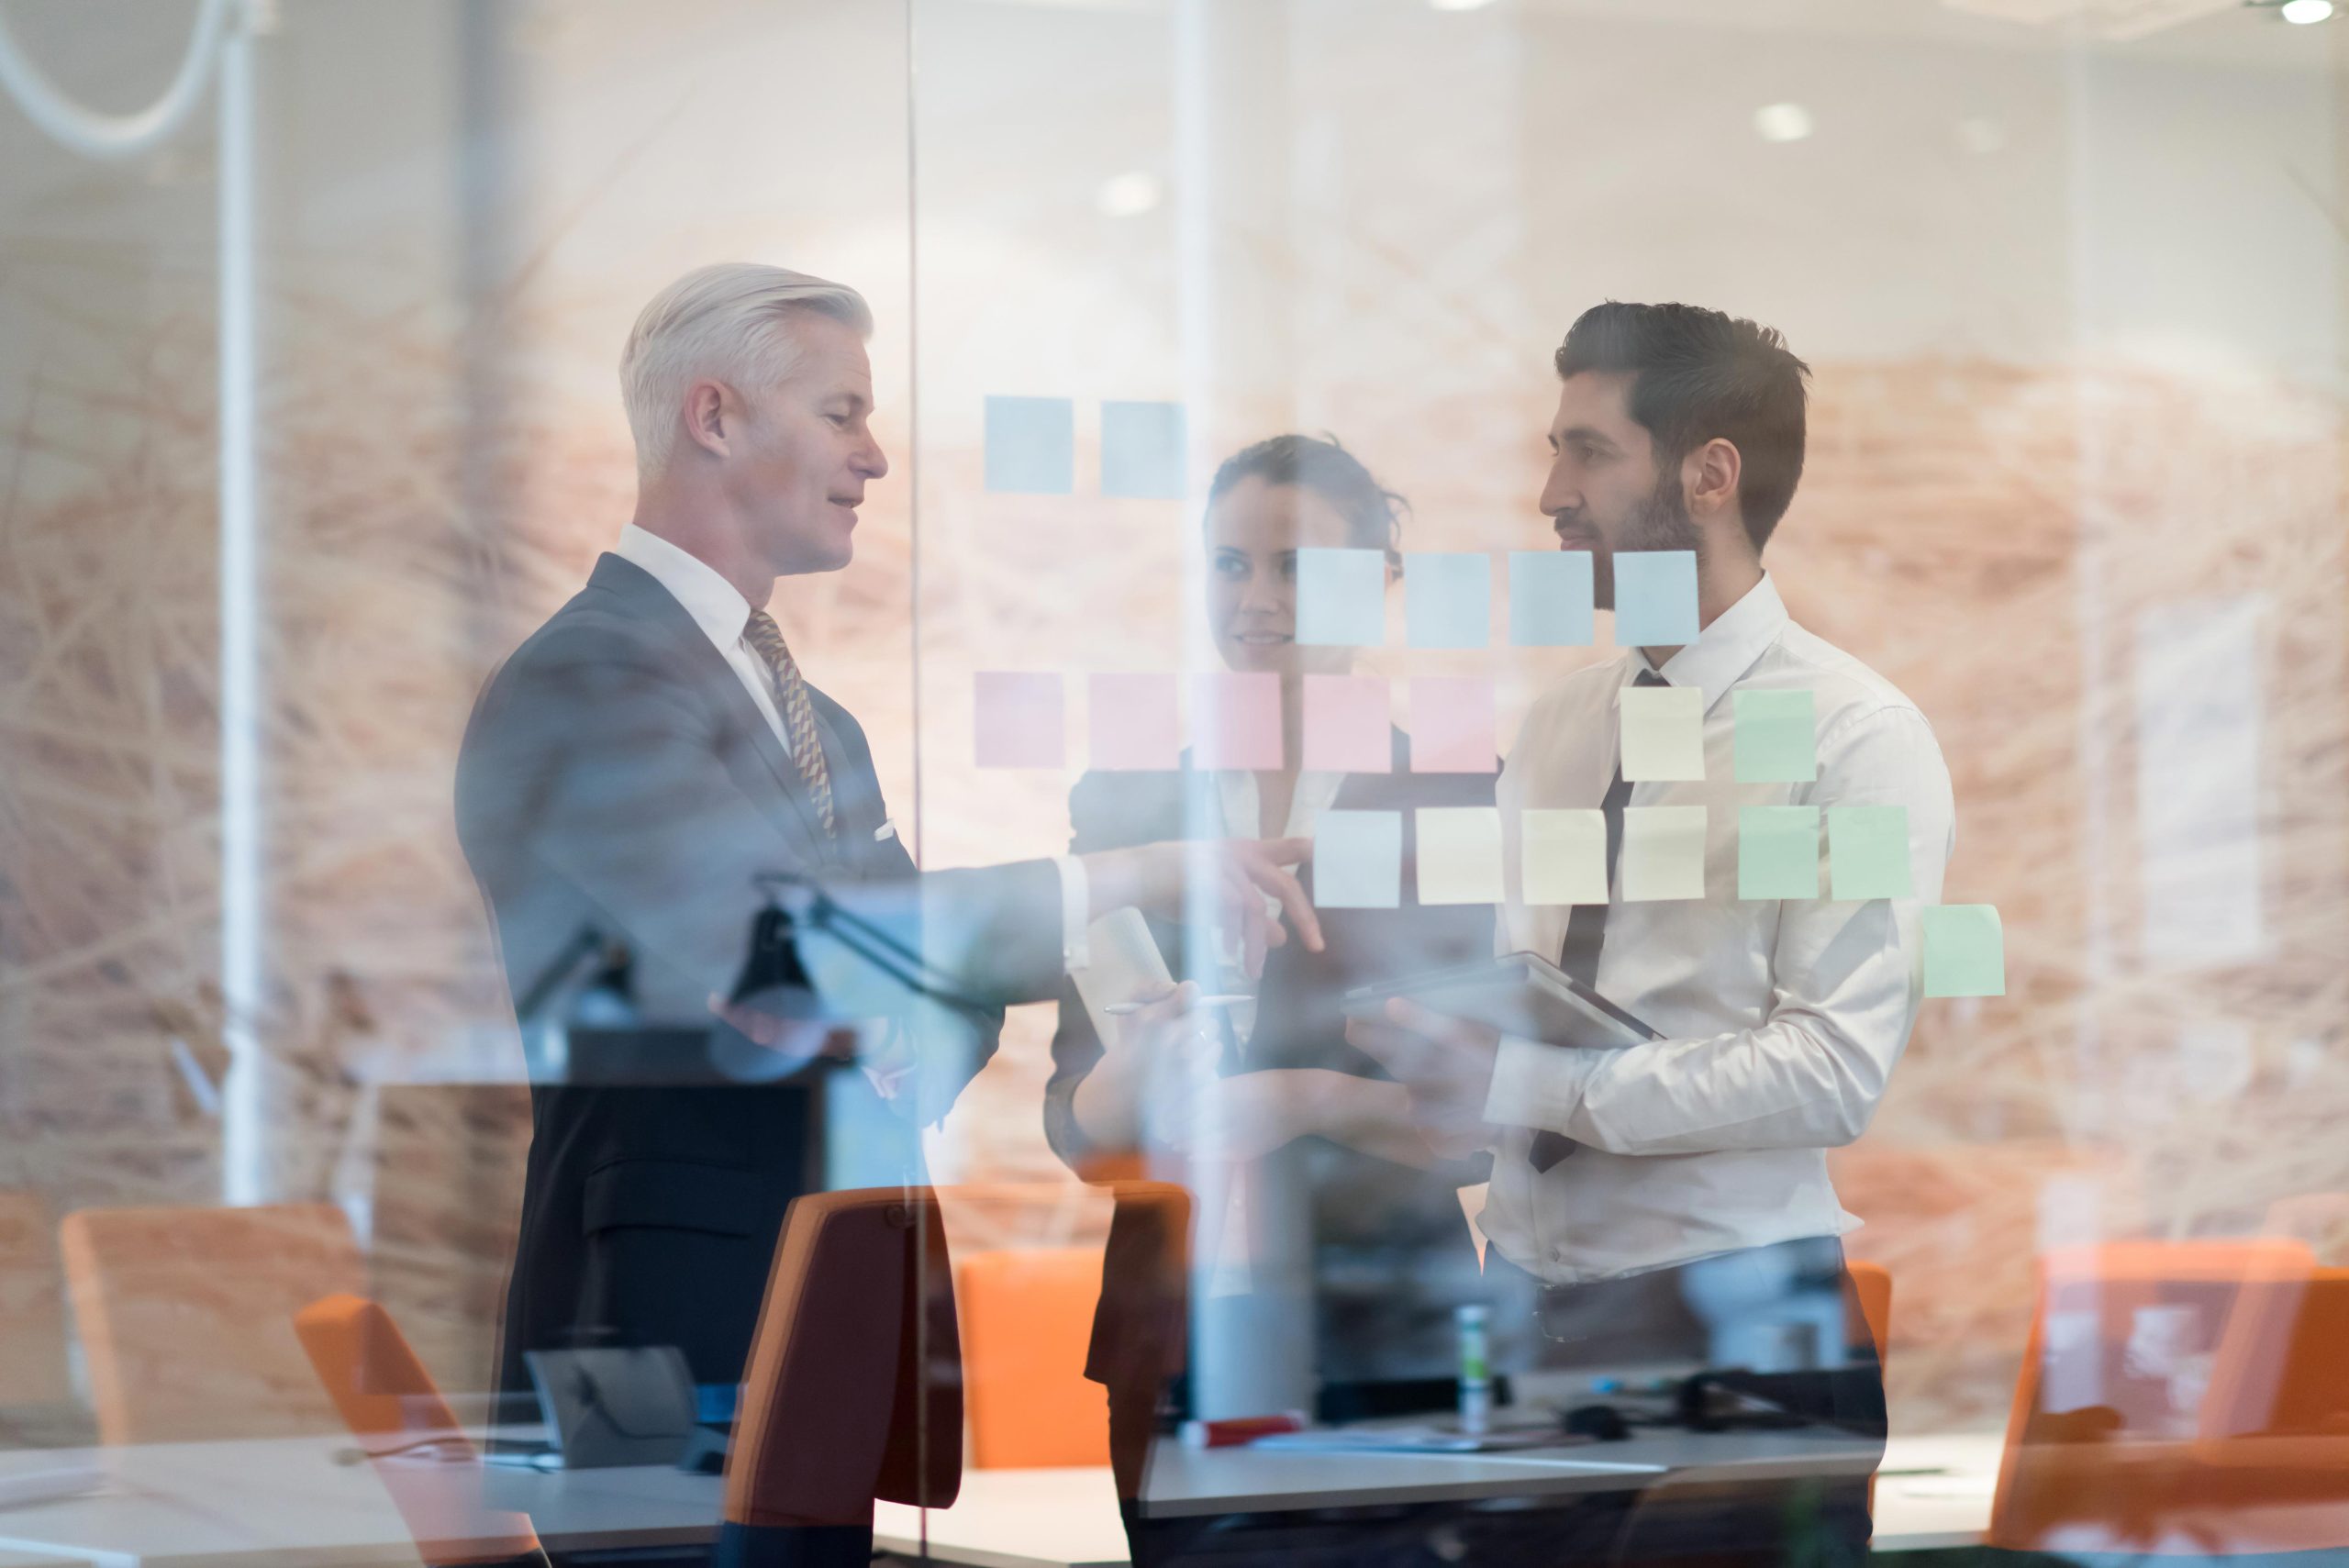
x: 710, y: 415
x: 1708, y: 477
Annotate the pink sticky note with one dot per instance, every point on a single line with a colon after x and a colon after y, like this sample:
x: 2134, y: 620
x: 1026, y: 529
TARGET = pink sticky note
x: 1347, y: 729
x: 1018, y: 719
x: 1134, y: 722
x: 1236, y: 719
x: 1452, y: 725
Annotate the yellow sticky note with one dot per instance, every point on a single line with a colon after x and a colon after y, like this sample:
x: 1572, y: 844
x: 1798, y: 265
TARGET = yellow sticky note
x: 1564, y: 854
x: 1460, y: 854
x: 1664, y: 733
x: 1664, y: 852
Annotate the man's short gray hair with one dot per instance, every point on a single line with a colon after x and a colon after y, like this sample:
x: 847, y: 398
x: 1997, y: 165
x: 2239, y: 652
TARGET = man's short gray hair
x: 727, y: 322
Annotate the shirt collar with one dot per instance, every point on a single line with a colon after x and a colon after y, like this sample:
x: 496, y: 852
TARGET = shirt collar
x: 1724, y: 650
x: 716, y: 604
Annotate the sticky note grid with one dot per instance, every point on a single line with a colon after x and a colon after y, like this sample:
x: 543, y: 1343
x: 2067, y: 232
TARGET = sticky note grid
x: 1448, y: 600
x: 1662, y: 733
x: 1655, y: 598
x: 1134, y: 722
x: 1964, y: 951
x: 1778, y: 852
x: 1032, y: 445
x: 1549, y: 598
x: 1141, y: 450
x: 1358, y: 859
x: 1459, y: 855
x: 1340, y: 597
x: 1774, y: 739
x: 1348, y: 728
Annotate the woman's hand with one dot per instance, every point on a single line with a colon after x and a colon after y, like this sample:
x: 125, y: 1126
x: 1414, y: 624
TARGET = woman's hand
x: 1148, y: 1054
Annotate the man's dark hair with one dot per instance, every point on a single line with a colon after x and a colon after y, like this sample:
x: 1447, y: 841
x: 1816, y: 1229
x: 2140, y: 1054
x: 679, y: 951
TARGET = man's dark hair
x: 1697, y: 374
x: 1374, y: 514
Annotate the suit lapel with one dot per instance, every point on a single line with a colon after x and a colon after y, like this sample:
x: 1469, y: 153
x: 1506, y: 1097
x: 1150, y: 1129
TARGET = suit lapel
x: 643, y: 594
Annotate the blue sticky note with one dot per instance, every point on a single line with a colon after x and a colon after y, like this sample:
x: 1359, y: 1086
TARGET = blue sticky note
x: 1032, y: 445
x: 1655, y: 598
x: 1448, y: 599
x: 1342, y: 597
x: 1141, y: 450
x: 1549, y: 598
x: 1358, y: 859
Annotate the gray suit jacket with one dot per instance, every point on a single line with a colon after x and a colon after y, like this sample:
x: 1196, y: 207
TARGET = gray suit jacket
x: 616, y: 776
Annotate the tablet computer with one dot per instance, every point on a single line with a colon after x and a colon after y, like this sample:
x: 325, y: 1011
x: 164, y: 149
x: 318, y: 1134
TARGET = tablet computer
x: 1519, y: 993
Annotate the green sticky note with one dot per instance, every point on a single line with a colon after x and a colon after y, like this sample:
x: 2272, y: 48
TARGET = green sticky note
x: 1867, y: 849
x: 1774, y: 736
x: 1965, y: 950
x: 1778, y: 852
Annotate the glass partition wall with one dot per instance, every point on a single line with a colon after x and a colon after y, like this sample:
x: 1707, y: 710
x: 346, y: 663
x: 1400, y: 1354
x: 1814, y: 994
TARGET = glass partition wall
x: 1979, y: 866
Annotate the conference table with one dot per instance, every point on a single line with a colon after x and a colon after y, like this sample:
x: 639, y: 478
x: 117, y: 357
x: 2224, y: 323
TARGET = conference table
x: 282, y: 1501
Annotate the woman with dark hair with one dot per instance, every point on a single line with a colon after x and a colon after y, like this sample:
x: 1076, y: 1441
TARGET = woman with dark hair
x: 1374, y: 1231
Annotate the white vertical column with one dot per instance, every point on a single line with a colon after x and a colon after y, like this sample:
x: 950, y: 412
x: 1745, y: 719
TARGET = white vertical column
x: 245, y: 1164
x: 1252, y: 1297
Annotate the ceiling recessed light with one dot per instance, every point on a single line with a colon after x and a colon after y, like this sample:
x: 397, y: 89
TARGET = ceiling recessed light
x: 1782, y: 122
x: 1458, y: 5
x: 1130, y: 195
x: 2304, y: 12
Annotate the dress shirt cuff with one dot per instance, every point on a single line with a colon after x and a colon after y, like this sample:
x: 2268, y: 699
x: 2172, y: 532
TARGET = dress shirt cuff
x: 1537, y: 1085
x: 1076, y: 902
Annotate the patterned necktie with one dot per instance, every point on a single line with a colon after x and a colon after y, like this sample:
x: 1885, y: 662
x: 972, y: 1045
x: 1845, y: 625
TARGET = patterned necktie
x: 798, y: 713
x: 1586, y: 926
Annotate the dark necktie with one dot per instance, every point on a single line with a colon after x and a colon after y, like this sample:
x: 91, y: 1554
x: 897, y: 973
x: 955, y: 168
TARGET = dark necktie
x: 1586, y: 926
x: 790, y: 692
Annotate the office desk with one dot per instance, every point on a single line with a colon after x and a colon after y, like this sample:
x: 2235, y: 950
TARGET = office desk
x: 278, y: 1502
x: 1068, y: 1519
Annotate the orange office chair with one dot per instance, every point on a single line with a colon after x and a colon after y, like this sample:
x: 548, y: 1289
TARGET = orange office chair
x: 424, y: 1460
x: 1027, y: 1321
x: 2276, y: 1419
x: 1871, y: 1304
x: 854, y: 1389
x: 32, y: 1310
x: 186, y: 1317
x: 1872, y: 1283
x: 2106, y: 1448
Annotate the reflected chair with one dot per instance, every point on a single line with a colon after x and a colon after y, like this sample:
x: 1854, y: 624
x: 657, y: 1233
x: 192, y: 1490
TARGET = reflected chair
x: 1027, y: 1320
x: 2275, y: 1417
x: 854, y: 1389
x: 186, y: 1317
x: 1872, y: 1288
x: 2135, y: 1348
x: 1869, y: 1312
x: 428, y: 1465
x: 32, y: 1307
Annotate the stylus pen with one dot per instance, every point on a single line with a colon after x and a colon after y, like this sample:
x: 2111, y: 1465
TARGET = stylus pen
x: 1120, y: 1009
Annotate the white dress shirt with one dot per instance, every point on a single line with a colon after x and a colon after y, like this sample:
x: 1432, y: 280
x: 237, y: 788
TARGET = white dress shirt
x: 1782, y: 1019
x: 717, y: 607
x: 721, y: 610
